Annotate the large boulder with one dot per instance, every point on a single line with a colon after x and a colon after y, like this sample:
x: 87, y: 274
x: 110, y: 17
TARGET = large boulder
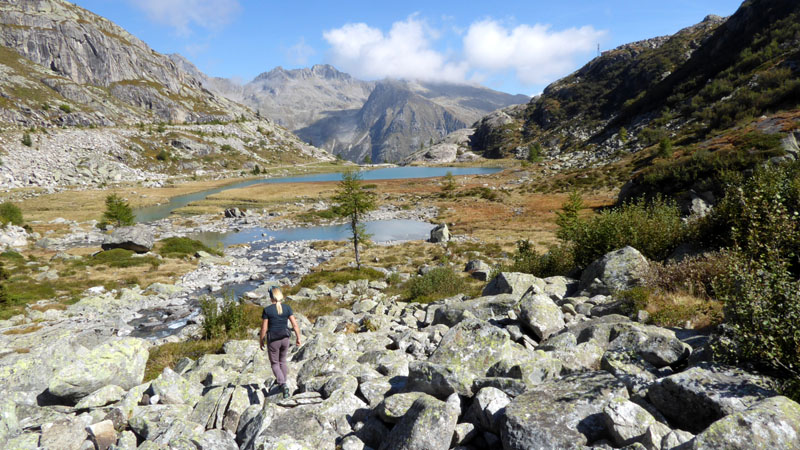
x: 174, y: 389
x: 119, y: 362
x: 695, y: 398
x: 466, y: 352
x: 539, y: 313
x: 440, y: 234
x: 428, y: 425
x: 483, y: 308
x: 9, y: 423
x: 769, y: 424
x: 514, y: 283
x: 564, y: 413
x: 626, y: 421
x: 618, y: 270
x: 658, y: 346
x: 478, y: 269
x: 487, y: 409
x: 137, y: 238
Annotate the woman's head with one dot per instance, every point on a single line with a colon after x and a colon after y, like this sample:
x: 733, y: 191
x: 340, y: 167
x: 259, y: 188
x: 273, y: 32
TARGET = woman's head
x: 276, y: 296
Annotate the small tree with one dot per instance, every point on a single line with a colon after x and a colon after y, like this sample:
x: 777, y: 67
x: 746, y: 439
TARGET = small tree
x: 623, y: 135
x: 26, y: 140
x: 353, y: 202
x: 368, y: 159
x: 10, y: 214
x: 118, y: 211
x: 535, y: 152
x: 665, y: 148
x: 449, y: 183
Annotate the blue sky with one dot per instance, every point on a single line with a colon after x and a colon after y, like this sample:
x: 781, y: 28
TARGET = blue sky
x: 511, y: 46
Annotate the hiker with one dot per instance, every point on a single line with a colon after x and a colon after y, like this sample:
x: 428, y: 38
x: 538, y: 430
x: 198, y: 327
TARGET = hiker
x: 275, y: 330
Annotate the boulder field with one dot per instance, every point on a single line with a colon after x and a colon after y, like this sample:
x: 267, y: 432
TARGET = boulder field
x: 532, y: 364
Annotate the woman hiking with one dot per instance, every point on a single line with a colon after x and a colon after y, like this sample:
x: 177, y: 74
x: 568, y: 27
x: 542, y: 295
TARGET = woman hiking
x: 275, y: 330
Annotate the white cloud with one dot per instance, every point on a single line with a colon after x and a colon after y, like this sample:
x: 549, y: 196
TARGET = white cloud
x: 536, y: 53
x: 404, y: 52
x: 300, y: 52
x: 183, y: 14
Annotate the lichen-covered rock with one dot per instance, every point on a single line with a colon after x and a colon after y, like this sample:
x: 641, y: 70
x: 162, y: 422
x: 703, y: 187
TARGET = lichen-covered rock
x: 176, y: 390
x: 119, y: 362
x: 65, y: 434
x: 539, y: 313
x: 584, y: 356
x: 9, y: 423
x: 626, y: 421
x: 137, y: 238
x: 769, y: 424
x: 482, y: 308
x: 216, y: 440
x: 658, y: 346
x: 394, y: 407
x: 440, y: 233
x: 101, y: 397
x: 102, y: 434
x: 428, y: 425
x: 466, y: 352
x: 152, y: 422
x: 513, y: 283
x: 696, y: 397
x: 618, y: 270
x: 487, y: 408
x: 563, y: 413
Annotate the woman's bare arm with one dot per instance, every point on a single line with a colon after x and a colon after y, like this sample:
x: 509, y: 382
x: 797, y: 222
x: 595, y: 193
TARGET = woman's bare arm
x: 263, y: 334
x: 296, y: 328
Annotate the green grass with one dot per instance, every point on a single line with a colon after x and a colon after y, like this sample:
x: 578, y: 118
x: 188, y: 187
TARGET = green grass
x: 118, y: 258
x: 331, y: 278
x: 179, y: 247
x: 439, y: 283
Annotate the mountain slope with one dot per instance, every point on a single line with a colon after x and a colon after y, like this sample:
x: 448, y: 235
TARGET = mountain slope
x: 102, y: 70
x: 385, y: 120
x: 84, y: 103
x: 694, y: 101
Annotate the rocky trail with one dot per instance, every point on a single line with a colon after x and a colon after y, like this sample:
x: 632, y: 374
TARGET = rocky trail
x: 531, y: 364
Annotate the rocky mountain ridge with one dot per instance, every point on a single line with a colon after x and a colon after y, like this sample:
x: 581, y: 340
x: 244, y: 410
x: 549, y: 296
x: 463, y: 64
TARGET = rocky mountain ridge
x: 142, y: 118
x: 712, y: 88
x: 385, y: 120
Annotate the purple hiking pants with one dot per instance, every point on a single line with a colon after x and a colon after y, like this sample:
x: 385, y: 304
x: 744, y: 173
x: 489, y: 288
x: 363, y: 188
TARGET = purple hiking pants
x: 277, y: 351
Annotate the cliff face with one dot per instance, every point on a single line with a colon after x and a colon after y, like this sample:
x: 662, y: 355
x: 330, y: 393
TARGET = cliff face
x: 102, y: 70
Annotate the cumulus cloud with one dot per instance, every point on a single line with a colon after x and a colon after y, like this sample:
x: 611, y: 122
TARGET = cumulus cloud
x: 406, y: 51
x: 181, y: 15
x: 536, y: 53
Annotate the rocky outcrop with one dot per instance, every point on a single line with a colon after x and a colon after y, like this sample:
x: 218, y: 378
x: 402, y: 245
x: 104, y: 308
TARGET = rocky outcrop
x: 616, y: 271
x: 138, y: 239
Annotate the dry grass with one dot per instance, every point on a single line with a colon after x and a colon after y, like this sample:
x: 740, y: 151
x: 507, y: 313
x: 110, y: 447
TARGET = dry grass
x: 49, y: 306
x: 167, y: 355
x: 683, y: 310
x: 26, y: 330
x: 313, y: 309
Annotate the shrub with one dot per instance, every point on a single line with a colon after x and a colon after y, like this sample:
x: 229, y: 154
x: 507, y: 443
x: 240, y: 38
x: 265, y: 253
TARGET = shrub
x: 665, y: 148
x: 557, y: 261
x: 693, y: 275
x: 178, y: 247
x: 762, y: 309
x: 163, y: 155
x: 120, y: 258
x: 449, y: 184
x: 66, y: 108
x: 439, y: 283
x: 761, y: 215
x: 222, y: 320
x: 534, y: 152
x: 336, y: 277
x: 26, y: 140
x: 118, y: 211
x: 654, y: 228
x: 226, y: 148
x: 10, y: 214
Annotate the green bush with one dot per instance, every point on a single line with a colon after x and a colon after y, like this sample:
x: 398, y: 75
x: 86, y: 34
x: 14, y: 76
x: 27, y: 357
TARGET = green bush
x: 557, y: 261
x: 178, y: 247
x: 26, y: 140
x: 223, y: 320
x: 163, y: 155
x: 534, y: 152
x: 66, y: 108
x: 665, y: 148
x: 120, y: 258
x: 439, y: 283
x: 762, y: 310
x: 654, y: 228
x: 337, y: 277
x: 761, y: 215
x: 10, y: 214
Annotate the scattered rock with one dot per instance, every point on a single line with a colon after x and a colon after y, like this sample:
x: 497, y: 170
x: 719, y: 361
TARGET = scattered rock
x: 137, y: 238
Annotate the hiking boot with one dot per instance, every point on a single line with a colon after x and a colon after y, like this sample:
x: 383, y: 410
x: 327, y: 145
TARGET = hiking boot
x: 285, y: 391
